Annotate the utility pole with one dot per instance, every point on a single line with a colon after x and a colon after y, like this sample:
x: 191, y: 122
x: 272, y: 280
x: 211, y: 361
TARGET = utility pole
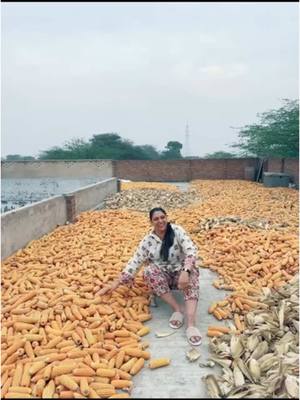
x: 187, y: 152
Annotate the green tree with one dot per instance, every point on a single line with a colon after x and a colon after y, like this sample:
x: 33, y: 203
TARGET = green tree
x: 149, y: 152
x: 112, y: 146
x: 101, y: 146
x: 220, y: 154
x: 275, y: 135
x: 172, y: 151
x: 78, y: 148
x: 55, y: 153
x: 28, y: 158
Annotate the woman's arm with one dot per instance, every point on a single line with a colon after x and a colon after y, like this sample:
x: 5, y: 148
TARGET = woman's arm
x: 188, y: 247
x: 190, y: 251
x: 134, y: 264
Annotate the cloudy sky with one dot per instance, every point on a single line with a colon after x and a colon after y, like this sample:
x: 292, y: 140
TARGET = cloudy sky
x: 143, y: 70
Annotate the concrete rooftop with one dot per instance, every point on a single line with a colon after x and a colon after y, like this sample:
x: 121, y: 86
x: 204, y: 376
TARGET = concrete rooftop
x: 181, y: 379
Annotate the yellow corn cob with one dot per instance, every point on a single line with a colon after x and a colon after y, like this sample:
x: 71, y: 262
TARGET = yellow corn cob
x: 66, y: 394
x: 137, y: 366
x: 121, y: 332
x: 104, y: 393
x: 144, y: 317
x: 138, y: 353
x: 128, y: 365
x: 25, y: 381
x: 143, y: 331
x: 84, y: 387
x: 36, y: 367
x: 212, y: 333
x: 223, y: 329
x: 99, y: 385
x: 159, y: 362
x: 49, y: 390
x: 17, y: 375
x: 85, y: 371
x: 120, y: 359
x: 68, y: 382
x: 121, y: 383
x: 20, y: 389
x: 106, y: 372
x: 120, y: 374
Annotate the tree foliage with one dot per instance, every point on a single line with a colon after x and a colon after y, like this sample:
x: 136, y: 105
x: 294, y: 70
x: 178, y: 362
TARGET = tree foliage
x: 220, y: 154
x: 275, y: 135
x: 172, y: 151
x: 105, y: 146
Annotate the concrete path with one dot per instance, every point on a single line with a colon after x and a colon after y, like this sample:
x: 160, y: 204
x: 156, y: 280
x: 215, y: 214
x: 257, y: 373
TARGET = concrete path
x: 181, y: 379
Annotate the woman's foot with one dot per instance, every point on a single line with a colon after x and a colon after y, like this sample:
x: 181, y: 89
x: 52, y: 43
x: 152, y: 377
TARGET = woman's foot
x: 176, y: 320
x: 193, y: 335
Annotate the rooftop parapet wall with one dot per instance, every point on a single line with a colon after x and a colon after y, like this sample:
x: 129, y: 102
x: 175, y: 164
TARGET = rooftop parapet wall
x: 153, y: 170
x: 183, y: 170
x: 229, y: 168
x: 92, y: 196
x: 57, y: 168
x: 19, y: 227
x: 148, y: 170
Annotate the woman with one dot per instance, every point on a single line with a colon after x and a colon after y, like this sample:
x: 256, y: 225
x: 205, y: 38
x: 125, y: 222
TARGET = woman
x: 170, y: 258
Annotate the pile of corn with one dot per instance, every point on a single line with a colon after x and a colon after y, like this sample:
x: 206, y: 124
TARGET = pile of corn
x: 60, y: 340
x: 247, y: 200
x: 147, y: 198
x: 149, y: 185
x: 263, y: 362
x: 248, y: 249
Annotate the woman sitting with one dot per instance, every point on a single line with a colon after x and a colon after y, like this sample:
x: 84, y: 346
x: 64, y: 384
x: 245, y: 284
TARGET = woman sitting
x: 170, y: 258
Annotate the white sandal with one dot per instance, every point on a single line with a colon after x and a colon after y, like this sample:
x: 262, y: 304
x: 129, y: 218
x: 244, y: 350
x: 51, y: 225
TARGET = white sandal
x: 192, y: 331
x: 176, y: 316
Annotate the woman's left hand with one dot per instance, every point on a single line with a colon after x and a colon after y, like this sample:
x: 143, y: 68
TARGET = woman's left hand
x: 184, y: 280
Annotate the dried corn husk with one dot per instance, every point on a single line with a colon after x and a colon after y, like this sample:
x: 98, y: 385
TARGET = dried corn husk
x: 192, y: 354
x: 164, y: 334
x: 209, y: 364
x: 144, y: 198
x: 263, y: 365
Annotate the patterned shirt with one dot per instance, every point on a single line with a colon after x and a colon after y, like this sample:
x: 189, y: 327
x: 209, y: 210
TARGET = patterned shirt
x: 183, y: 252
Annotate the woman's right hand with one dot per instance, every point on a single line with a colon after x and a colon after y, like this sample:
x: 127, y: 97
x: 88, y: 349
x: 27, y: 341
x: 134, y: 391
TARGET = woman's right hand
x: 109, y: 288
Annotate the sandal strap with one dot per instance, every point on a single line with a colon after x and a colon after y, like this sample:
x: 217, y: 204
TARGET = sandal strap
x: 177, y: 316
x: 193, y: 331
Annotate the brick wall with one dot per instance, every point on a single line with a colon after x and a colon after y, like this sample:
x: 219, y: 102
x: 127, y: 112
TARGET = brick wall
x: 222, y: 168
x: 275, y: 165
x: 291, y: 166
x: 287, y: 165
x: 148, y: 170
x: 153, y: 170
x: 182, y: 170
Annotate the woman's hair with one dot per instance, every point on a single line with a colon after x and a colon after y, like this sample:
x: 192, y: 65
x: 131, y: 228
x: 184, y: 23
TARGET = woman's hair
x: 168, y: 239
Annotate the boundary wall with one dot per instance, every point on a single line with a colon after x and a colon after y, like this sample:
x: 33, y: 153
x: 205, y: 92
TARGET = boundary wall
x: 20, y: 226
x: 150, y: 170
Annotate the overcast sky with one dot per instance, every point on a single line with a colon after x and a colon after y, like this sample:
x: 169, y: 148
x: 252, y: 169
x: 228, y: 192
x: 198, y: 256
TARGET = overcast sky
x: 143, y: 70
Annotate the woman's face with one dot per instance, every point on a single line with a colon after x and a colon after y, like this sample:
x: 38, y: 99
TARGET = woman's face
x: 159, y: 221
